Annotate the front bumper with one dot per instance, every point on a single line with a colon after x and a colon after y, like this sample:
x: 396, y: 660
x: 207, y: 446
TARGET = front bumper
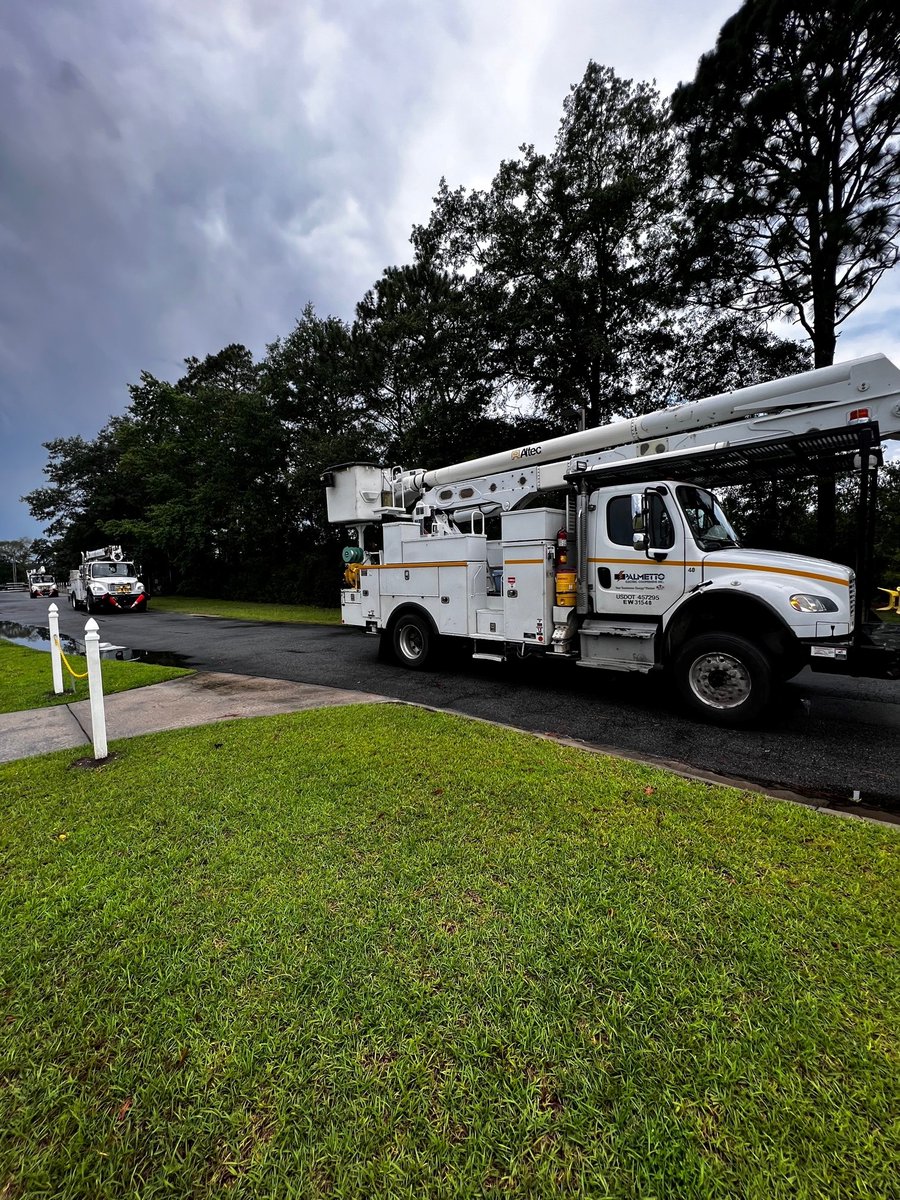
x: 124, y: 602
x: 874, y: 655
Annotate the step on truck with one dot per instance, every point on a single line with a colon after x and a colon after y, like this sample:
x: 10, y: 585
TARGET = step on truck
x: 107, y: 581
x: 606, y: 547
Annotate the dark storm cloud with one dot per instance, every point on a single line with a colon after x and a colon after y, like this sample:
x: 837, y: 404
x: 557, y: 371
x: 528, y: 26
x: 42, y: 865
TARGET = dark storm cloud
x: 171, y: 180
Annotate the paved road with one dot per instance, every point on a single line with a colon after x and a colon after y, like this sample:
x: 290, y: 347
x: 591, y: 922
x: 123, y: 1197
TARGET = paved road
x: 827, y: 737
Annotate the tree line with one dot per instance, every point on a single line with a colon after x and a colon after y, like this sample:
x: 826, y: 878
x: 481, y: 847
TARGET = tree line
x: 640, y: 262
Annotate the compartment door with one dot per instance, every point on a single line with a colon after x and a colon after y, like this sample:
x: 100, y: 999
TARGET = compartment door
x: 528, y: 589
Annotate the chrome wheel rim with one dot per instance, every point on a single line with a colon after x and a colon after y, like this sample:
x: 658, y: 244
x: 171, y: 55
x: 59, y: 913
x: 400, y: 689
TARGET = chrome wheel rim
x: 720, y: 680
x: 411, y: 642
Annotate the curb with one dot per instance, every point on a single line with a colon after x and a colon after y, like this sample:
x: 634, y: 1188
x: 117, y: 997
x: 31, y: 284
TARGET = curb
x: 870, y: 815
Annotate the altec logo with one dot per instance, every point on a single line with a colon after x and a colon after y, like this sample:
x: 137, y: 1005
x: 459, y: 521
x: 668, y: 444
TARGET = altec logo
x: 525, y: 452
x: 635, y: 577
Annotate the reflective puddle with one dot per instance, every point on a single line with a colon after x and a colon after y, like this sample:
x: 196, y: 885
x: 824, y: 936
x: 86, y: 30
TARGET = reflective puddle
x: 37, y: 637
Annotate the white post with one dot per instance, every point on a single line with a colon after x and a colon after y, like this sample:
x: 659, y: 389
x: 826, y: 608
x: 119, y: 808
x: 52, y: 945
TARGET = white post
x: 55, y: 656
x: 95, y: 688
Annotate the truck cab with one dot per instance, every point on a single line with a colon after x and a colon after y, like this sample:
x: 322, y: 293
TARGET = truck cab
x: 671, y: 585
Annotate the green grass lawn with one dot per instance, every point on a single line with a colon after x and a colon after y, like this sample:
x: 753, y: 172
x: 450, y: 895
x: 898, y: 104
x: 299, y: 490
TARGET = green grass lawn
x: 246, y: 610
x: 383, y: 952
x: 26, y: 679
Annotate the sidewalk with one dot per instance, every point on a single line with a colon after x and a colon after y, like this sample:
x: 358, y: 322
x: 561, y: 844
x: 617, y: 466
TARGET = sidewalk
x: 194, y: 700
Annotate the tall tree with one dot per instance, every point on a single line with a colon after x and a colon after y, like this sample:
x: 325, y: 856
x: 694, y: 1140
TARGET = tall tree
x: 792, y: 126
x: 207, y: 449
x: 85, y: 489
x: 187, y: 478
x: 696, y: 352
x: 15, y: 555
x: 424, y: 354
x: 568, y: 244
x: 312, y: 379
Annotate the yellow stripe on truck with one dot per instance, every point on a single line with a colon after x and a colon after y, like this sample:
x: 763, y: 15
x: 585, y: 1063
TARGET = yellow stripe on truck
x: 407, y: 566
x: 778, y: 571
x: 719, y: 565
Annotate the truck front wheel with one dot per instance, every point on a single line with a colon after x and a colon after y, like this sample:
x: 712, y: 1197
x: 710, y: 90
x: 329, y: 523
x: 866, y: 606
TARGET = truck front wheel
x: 413, y: 642
x: 723, y: 678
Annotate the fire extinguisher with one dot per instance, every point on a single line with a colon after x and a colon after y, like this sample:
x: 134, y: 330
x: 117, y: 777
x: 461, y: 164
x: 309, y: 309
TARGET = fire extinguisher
x: 562, y: 549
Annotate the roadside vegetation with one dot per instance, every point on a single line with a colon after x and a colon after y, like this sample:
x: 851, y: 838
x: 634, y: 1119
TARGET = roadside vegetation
x: 388, y: 952
x: 26, y: 680
x: 246, y: 610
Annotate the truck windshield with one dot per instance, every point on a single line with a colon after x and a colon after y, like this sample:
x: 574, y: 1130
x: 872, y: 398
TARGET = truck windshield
x: 103, y: 570
x: 708, y: 524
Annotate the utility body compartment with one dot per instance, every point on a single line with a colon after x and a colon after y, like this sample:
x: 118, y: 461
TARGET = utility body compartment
x: 498, y: 590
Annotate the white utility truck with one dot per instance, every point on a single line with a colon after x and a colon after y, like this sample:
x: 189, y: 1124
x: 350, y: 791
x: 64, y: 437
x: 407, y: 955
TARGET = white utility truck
x: 40, y: 583
x: 106, y: 582
x: 630, y: 563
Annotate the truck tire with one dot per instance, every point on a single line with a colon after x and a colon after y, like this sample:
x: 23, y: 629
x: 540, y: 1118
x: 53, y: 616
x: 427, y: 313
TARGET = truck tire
x: 723, y: 678
x: 413, y: 642
x: 73, y: 602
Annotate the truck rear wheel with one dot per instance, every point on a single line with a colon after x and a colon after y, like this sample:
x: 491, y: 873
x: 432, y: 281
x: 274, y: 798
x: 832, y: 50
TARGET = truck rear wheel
x: 413, y: 642
x: 724, y: 678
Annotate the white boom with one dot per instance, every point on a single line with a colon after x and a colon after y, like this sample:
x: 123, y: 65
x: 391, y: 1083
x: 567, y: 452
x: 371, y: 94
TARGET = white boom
x: 858, y: 382
x: 827, y: 399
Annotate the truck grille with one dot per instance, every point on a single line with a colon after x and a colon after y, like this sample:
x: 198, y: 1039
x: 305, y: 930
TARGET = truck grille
x: 852, y: 599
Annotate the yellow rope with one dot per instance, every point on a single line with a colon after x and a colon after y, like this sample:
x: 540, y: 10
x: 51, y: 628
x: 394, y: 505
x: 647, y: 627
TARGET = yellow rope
x: 74, y: 674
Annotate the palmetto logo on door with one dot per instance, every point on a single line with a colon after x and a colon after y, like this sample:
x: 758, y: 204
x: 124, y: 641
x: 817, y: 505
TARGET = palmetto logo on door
x: 639, y: 577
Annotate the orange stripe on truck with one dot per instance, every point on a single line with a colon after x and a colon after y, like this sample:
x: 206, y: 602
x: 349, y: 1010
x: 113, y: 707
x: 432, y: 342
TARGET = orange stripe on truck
x: 719, y: 565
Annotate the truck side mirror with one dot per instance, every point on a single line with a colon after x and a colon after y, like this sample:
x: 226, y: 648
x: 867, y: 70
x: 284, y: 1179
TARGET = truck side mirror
x: 645, y: 524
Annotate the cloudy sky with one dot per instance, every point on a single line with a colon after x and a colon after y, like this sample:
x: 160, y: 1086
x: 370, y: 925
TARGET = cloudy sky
x: 176, y: 175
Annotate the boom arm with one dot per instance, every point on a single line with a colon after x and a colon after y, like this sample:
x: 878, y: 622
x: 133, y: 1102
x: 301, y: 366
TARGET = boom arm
x: 827, y: 388
x: 826, y: 399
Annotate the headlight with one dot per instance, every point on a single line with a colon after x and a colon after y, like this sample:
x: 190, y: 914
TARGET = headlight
x: 98, y: 589
x: 813, y: 604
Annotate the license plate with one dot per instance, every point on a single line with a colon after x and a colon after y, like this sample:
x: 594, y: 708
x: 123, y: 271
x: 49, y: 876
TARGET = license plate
x: 838, y: 652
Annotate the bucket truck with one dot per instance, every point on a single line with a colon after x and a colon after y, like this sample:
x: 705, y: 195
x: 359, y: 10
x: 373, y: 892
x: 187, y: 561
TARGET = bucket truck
x: 106, y: 582
x: 606, y: 548
x: 41, y: 583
